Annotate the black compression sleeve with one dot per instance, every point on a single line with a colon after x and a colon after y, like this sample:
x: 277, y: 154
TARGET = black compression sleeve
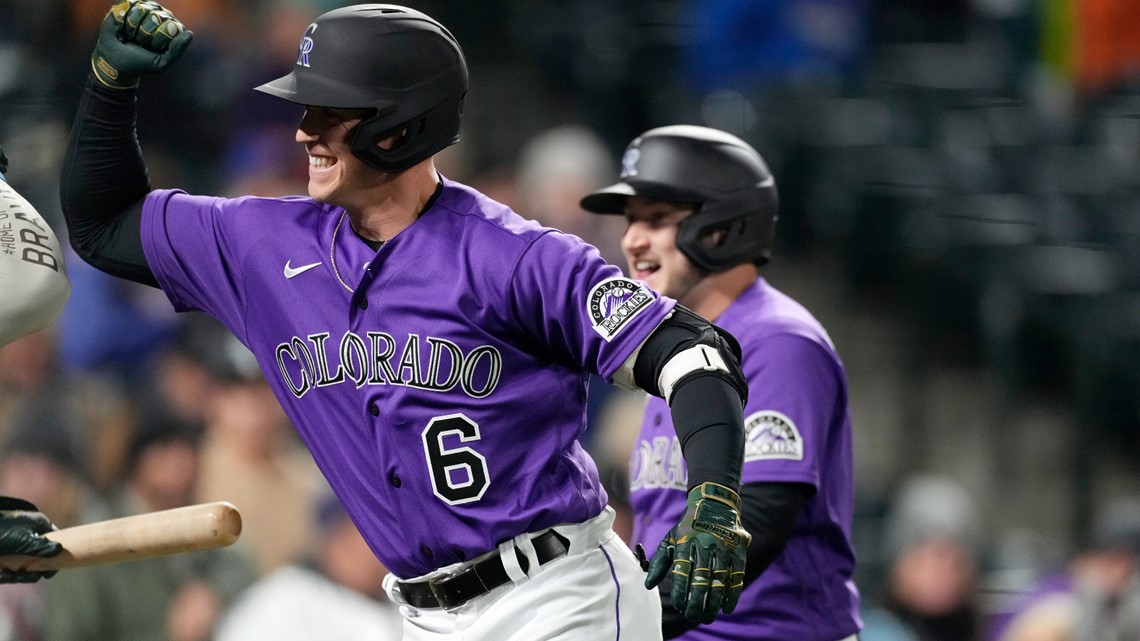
x: 104, y: 182
x: 769, y: 512
x: 706, y: 415
x: 705, y: 404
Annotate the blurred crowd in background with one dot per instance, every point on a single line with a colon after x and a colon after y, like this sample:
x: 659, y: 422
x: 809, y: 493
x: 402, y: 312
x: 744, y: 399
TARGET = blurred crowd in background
x: 960, y: 206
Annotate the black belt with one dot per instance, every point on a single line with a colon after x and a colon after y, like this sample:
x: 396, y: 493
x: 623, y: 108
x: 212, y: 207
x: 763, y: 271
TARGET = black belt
x: 453, y: 590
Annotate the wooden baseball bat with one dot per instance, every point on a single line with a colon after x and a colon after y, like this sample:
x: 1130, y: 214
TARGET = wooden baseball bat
x: 142, y: 536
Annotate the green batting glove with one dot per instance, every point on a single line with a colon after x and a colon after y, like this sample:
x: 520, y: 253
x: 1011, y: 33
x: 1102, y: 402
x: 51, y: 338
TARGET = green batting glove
x: 22, y: 527
x: 137, y: 37
x: 707, y: 551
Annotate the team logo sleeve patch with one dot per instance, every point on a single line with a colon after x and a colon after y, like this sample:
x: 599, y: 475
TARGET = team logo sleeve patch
x: 768, y: 434
x: 614, y: 302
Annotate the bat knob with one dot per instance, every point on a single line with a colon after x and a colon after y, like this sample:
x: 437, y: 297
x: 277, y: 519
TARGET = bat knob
x: 227, y: 520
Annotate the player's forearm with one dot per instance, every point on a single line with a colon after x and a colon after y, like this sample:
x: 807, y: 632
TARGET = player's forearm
x: 707, y: 417
x: 104, y: 182
x: 696, y: 368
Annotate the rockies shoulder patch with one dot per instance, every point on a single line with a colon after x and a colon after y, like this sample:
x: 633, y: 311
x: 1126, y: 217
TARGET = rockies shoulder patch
x: 768, y: 434
x: 614, y: 302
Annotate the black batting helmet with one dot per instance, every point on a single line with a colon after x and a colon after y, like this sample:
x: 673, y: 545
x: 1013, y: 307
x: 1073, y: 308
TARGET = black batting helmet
x: 721, y: 174
x: 393, y: 59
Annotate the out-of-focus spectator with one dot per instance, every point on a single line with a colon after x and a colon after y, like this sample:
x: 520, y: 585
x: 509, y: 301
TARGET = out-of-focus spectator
x: 1096, y: 597
x: 178, y: 378
x: 1107, y: 576
x: 42, y: 459
x: 97, y: 410
x: 252, y: 458
x: 335, y: 594
x: 177, y: 597
x: 111, y: 325
x: 1047, y: 613
x: 553, y: 170
x: 26, y: 364
x: 934, y: 543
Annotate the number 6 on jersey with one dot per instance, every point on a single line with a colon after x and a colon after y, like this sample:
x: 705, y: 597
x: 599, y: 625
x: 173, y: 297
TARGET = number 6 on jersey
x: 447, y: 467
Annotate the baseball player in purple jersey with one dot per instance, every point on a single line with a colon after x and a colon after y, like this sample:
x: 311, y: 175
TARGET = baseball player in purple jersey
x: 701, y: 206
x: 431, y: 347
x: 36, y: 288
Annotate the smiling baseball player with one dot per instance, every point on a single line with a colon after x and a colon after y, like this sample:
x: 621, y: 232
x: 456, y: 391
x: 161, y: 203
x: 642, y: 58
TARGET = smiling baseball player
x: 431, y: 346
x: 701, y: 206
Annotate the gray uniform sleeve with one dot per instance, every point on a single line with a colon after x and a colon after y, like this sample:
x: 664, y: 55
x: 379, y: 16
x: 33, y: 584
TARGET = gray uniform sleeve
x: 32, y: 273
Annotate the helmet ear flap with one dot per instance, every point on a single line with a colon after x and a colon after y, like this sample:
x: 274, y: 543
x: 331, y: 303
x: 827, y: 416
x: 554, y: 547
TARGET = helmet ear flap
x: 421, y: 136
x: 746, y: 224
x: 699, y: 165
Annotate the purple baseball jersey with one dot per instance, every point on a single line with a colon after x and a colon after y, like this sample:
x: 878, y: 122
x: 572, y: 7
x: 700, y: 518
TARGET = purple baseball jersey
x: 797, y: 430
x: 439, y: 383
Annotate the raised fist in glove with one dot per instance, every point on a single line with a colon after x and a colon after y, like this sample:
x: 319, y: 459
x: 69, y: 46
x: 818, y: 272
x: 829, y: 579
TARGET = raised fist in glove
x: 137, y: 37
x: 22, y: 527
x: 707, y: 551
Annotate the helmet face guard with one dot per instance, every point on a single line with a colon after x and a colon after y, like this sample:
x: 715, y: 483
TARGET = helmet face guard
x: 727, y: 181
x: 395, y: 60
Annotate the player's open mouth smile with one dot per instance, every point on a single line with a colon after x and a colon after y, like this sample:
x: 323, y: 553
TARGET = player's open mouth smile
x: 643, y: 268
x: 321, y: 162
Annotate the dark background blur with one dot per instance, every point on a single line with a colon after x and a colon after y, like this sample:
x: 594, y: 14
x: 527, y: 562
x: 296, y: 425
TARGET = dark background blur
x: 959, y: 181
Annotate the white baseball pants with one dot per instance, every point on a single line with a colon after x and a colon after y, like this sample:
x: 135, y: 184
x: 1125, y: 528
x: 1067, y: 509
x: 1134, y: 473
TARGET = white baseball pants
x: 594, y: 593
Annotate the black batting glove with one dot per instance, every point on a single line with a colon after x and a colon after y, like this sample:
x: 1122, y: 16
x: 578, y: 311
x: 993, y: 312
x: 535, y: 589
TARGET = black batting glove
x: 137, y: 37
x: 707, y: 552
x: 3, y: 163
x: 22, y: 527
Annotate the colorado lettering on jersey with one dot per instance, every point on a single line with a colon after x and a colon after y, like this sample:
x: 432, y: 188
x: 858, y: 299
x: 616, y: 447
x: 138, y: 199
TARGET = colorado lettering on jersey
x: 306, y: 363
x: 659, y: 464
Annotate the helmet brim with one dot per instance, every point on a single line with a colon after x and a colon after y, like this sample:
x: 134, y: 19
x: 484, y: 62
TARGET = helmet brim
x: 319, y: 92
x: 611, y: 200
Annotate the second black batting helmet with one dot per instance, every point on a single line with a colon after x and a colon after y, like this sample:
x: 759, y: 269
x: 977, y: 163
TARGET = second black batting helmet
x: 723, y: 176
x: 395, y: 60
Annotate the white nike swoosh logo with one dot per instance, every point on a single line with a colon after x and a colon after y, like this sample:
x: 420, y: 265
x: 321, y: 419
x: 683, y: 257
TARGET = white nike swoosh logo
x: 293, y: 271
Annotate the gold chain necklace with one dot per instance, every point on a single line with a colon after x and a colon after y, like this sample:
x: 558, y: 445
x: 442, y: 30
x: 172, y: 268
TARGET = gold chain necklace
x: 332, y: 252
